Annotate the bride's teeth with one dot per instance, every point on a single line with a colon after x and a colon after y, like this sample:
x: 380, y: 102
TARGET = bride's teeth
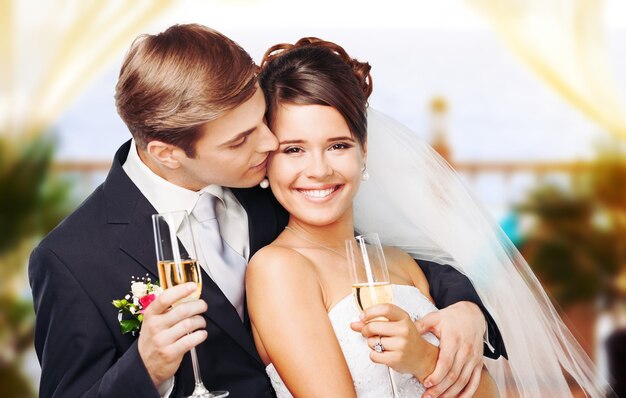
x: 318, y: 193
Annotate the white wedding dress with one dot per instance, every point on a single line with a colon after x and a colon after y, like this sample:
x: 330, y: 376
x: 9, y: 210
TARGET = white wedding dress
x: 370, y: 380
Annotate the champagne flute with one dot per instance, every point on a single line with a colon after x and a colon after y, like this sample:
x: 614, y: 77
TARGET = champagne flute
x: 178, y: 264
x: 370, y: 277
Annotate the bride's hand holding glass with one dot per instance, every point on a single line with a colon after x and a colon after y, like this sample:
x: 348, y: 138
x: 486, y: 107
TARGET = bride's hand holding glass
x: 405, y: 349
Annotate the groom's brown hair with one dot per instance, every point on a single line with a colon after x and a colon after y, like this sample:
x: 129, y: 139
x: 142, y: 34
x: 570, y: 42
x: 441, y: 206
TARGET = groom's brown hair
x: 172, y: 83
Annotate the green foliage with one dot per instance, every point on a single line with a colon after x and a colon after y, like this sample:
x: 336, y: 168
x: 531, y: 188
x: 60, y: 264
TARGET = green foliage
x: 608, y: 180
x: 32, y: 202
x: 577, y: 247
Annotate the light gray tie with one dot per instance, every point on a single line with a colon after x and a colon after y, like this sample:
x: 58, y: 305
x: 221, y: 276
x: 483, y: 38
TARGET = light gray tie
x: 226, y: 267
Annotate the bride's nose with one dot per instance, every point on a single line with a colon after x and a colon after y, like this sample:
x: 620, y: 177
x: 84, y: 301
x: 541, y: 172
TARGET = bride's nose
x: 318, y: 166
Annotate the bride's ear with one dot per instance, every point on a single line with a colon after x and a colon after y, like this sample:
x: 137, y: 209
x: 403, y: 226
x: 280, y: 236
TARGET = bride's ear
x: 166, y: 154
x: 364, y: 151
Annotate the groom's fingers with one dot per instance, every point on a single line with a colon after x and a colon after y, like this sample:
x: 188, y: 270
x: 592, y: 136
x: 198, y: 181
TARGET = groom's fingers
x: 472, y: 386
x: 429, y: 323
x: 441, y: 378
x: 464, y: 372
x: 182, y: 328
x: 169, y: 297
x: 187, y: 342
x: 452, y: 373
x: 183, y: 311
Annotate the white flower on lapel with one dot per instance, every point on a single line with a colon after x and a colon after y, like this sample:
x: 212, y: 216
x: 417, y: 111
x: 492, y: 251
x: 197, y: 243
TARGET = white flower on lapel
x: 139, y: 289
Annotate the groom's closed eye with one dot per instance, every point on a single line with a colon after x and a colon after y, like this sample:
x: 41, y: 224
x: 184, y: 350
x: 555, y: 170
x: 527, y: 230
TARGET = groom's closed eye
x: 239, y: 139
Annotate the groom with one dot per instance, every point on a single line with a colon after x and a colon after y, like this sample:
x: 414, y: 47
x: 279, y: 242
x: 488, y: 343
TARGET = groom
x: 196, y: 114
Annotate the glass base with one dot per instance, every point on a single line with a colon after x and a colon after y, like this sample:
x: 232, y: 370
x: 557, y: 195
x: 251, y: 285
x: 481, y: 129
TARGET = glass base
x: 201, y: 392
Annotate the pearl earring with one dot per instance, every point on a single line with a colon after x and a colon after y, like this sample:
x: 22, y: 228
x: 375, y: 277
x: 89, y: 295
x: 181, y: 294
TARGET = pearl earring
x: 365, y: 176
x: 264, y: 184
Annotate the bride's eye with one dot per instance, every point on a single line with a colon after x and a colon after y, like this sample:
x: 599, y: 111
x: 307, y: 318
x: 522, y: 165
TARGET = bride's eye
x: 292, y: 149
x: 340, y: 145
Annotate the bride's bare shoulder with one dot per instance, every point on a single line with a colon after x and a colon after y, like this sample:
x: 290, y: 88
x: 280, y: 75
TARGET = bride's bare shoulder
x: 279, y: 262
x: 403, y: 264
x: 279, y: 278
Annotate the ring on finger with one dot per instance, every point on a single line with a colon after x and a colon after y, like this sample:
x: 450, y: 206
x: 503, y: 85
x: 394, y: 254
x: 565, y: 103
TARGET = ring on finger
x: 378, y: 347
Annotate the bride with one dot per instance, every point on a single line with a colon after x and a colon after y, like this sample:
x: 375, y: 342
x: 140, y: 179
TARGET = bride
x: 306, y: 327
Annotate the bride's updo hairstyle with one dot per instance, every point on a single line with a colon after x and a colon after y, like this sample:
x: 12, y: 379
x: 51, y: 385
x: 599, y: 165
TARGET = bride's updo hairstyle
x: 317, y: 72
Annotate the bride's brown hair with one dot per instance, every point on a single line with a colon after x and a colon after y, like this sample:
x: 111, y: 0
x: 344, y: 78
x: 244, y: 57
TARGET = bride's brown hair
x: 317, y: 72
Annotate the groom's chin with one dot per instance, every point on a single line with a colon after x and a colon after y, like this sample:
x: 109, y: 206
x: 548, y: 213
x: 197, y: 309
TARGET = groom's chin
x: 249, y: 181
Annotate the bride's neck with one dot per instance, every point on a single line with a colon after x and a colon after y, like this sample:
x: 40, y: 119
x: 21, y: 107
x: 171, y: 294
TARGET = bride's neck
x: 331, y: 235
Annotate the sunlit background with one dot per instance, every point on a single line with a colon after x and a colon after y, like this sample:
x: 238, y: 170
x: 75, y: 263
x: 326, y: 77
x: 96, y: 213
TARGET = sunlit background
x: 525, y: 98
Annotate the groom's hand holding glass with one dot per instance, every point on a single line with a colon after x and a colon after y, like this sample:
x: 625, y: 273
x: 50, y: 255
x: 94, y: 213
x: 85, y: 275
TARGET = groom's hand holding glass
x: 168, y: 332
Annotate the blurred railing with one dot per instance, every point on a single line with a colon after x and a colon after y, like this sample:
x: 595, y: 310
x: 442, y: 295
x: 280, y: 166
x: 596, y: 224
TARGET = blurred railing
x: 463, y: 167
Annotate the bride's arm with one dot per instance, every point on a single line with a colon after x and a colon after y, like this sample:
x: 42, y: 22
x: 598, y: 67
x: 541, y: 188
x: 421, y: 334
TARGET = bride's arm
x: 292, y: 328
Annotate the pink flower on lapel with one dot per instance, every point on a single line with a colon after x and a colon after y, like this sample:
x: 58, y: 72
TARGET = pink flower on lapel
x: 145, y: 301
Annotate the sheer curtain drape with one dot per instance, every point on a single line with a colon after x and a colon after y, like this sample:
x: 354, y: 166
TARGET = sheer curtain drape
x: 563, y: 42
x: 51, y: 51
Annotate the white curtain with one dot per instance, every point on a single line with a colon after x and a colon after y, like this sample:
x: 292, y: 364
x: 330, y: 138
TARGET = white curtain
x: 51, y: 50
x: 563, y: 42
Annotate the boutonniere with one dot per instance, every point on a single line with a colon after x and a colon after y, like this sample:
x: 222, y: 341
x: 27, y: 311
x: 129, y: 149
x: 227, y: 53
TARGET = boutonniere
x: 130, y: 309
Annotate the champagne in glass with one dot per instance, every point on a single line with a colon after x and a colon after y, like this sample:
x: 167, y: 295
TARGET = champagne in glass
x: 370, y: 277
x: 367, y: 295
x: 178, y: 264
x: 172, y: 273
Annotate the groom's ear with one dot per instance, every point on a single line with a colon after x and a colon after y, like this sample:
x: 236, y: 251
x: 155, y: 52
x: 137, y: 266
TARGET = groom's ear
x: 166, y: 154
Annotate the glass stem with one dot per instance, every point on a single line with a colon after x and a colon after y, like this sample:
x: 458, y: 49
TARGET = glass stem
x: 196, y: 366
x: 394, y: 389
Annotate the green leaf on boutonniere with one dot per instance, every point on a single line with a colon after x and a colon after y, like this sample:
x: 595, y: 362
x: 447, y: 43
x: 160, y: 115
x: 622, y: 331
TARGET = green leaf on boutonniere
x: 118, y: 303
x: 129, y: 325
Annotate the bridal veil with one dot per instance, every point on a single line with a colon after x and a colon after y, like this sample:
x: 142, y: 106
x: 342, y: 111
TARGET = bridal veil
x: 415, y: 201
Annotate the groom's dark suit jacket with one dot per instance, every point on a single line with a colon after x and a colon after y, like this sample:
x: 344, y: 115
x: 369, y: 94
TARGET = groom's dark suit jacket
x: 88, y: 261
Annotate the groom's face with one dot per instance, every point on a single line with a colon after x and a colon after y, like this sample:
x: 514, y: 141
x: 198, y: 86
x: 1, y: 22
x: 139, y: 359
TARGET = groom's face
x: 234, y: 148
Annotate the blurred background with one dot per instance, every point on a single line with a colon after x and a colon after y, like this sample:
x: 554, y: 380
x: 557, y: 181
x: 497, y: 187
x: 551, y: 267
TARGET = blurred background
x: 525, y: 98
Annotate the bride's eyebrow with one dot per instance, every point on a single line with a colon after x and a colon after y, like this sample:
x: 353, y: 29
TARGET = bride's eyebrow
x: 291, y: 142
x: 333, y: 139
x: 342, y: 138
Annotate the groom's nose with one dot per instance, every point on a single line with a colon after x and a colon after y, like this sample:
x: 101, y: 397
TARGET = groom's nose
x: 267, y: 140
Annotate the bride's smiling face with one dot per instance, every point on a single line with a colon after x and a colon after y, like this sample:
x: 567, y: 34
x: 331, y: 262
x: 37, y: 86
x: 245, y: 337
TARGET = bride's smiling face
x: 317, y: 169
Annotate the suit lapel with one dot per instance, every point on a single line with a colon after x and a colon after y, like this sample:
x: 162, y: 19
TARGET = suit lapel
x: 224, y: 315
x: 126, y: 205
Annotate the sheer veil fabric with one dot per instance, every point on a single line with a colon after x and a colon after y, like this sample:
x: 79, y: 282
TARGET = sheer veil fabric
x: 415, y: 201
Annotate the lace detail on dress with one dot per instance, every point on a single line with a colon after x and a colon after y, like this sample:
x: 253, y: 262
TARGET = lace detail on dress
x: 370, y: 380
